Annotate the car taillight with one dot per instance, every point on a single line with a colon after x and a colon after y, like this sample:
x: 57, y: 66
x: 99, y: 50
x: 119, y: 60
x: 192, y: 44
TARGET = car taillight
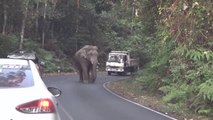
x: 38, y: 67
x: 37, y: 106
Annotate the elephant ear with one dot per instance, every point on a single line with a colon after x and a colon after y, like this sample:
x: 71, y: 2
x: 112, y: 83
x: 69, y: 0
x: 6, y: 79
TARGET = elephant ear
x: 81, y: 53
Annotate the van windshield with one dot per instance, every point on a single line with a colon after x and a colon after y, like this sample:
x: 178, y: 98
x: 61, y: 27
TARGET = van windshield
x: 115, y: 58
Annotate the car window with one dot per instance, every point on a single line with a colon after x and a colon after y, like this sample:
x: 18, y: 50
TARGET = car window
x: 114, y: 58
x: 24, y: 54
x: 12, y: 75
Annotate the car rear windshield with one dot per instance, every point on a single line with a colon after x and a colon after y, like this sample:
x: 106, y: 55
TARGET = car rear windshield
x: 24, y: 54
x: 12, y: 75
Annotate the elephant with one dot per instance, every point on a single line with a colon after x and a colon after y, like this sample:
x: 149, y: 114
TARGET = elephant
x: 86, y: 60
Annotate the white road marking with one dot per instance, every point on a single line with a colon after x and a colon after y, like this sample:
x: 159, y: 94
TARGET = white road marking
x: 64, y: 110
x: 104, y: 85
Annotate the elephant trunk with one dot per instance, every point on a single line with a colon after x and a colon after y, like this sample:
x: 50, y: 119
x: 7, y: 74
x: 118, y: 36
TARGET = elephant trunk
x: 94, y: 72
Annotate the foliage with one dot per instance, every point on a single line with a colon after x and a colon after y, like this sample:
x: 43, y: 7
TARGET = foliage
x: 149, y: 81
x: 190, y: 62
x: 176, y: 94
x: 206, y: 90
x: 182, y: 55
x: 200, y: 54
x: 53, y: 63
x: 8, y: 44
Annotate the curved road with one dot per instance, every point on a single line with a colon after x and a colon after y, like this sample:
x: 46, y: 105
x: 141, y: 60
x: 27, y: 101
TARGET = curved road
x: 93, y: 102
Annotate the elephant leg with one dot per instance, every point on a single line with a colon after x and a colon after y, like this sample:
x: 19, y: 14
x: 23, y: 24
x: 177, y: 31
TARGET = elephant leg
x: 93, y: 73
x: 80, y: 72
x: 81, y: 75
x: 90, y: 77
x: 85, y: 72
x: 89, y: 72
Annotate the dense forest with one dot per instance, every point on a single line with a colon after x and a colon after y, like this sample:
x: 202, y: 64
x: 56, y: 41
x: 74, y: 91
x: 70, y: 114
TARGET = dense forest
x: 172, y: 38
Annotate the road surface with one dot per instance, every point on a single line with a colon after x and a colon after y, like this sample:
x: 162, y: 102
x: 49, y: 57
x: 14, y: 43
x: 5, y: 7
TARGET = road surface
x: 93, y: 102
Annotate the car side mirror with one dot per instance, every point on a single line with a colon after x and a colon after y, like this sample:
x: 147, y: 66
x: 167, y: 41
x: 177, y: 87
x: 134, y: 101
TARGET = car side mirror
x: 55, y: 91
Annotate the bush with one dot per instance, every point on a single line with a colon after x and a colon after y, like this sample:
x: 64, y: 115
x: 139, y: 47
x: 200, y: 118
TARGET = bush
x: 8, y: 44
x: 149, y: 80
x: 53, y: 63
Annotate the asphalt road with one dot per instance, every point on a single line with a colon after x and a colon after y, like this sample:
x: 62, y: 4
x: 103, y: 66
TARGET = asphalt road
x: 93, y: 102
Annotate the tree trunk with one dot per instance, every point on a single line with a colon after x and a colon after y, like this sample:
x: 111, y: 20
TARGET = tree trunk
x: 37, y: 16
x: 127, y: 4
x: 5, y: 18
x: 23, y: 25
x: 77, y: 24
x: 43, y: 31
x: 133, y: 14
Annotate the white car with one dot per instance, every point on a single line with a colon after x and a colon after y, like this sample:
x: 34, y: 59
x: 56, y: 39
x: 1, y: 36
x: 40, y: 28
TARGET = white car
x: 23, y: 94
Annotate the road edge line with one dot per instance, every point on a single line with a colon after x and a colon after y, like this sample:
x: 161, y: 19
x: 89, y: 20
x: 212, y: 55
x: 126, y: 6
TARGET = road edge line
x: 65, y: 111
x: 104, y: 85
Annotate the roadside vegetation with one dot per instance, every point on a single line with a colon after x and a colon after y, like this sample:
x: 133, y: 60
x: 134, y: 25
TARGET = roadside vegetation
x: 172, y: 38
x: 132, y: 90
x: 53, y: 63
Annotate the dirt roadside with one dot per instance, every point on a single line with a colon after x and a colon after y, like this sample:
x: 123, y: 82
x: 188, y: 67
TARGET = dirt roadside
x: 129, y: 90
